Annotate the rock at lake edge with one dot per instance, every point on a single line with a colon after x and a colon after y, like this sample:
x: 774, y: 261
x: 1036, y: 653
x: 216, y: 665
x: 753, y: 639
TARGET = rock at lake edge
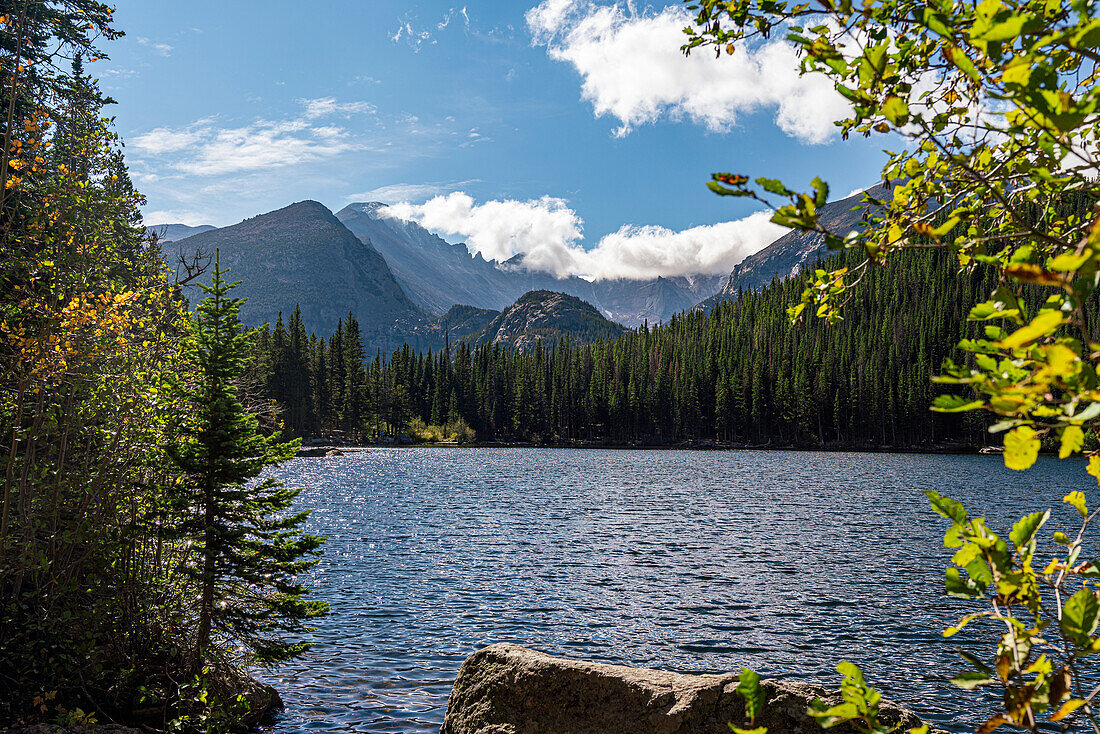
x: 508, y: 689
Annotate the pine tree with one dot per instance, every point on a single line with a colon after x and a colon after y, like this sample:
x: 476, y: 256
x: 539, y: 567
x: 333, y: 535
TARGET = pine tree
x: 248, y: 550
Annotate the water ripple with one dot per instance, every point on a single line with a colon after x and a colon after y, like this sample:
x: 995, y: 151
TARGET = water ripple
x: 785, y: 562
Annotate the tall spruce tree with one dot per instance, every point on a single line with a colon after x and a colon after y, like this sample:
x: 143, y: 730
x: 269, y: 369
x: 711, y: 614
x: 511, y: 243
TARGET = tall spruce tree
x: 249, y: 549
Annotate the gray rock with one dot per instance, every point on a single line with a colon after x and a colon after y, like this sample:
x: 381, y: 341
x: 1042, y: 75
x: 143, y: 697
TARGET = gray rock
x: 508, y: 689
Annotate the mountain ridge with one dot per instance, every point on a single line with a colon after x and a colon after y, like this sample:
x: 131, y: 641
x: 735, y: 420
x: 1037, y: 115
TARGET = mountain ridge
x: 787, y: 256
x: 548, y: 316
x: 427, y: 267
x: 303, y: 255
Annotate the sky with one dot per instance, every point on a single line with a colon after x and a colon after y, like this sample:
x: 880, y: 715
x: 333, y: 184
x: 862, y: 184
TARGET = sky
x: 572, y: 131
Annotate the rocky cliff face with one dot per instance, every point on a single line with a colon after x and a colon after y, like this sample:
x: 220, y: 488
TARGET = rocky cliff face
x: 437, y: 274
x: 304, y: 255
x: 548, y: 316
x: 788, y: 254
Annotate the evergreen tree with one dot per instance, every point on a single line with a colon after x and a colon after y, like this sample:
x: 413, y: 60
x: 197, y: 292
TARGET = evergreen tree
x: 248, y: 551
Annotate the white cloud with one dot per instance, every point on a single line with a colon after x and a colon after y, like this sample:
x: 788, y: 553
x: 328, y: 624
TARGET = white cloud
x: 416, y: 38
x: 649, y: 251
x: 632, y: 68
x: 173, y: 216
x: 404, y: 192
x: 206, y: 148
x: 166, y: 140
x: 549, y: 235
x: 161, y: 48
x: 326, y: 106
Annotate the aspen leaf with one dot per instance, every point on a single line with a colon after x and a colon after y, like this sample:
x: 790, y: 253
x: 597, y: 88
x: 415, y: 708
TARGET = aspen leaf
x: 1094, y: 467
x: 1067, y: 708
x: 1045, y: 322
x: 1021, y: 448
x: 1077, y: 501
x: 1073, y: 438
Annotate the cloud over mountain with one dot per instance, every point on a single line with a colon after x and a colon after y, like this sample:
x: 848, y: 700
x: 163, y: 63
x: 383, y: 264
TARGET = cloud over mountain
x: 549, y: 235
x: 632, y: 69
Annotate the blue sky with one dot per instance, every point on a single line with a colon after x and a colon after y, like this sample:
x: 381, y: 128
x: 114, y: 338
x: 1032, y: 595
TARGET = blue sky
x: 570, y: 130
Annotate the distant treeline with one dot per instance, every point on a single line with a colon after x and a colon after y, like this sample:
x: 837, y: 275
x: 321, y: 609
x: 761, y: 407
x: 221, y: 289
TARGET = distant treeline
x: 740, y: 374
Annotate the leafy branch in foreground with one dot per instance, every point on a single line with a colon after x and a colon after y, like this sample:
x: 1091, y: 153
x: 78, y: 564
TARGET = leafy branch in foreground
x: 996, y: 106
x: 1049, y: 616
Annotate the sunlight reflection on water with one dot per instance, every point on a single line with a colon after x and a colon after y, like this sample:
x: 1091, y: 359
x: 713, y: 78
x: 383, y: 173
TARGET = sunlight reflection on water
x: 785, y: 562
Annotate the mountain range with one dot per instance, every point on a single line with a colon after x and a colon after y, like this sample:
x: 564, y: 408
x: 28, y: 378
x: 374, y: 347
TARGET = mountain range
x: 437, y: 274
x: 303, y: 255
x: 404, y: 284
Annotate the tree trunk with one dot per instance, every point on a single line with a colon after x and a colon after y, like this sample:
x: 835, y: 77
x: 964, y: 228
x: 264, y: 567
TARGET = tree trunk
x: 206, y: 604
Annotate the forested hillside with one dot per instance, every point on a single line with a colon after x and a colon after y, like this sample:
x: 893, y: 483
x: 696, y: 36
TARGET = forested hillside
x: 740, y: 374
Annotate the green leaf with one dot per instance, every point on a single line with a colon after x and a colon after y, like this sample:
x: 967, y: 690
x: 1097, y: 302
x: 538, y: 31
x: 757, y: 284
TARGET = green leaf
x: 1079, y: 617
x: 748, y: 687
x: 946, y: 507
x: 895, y: 110
x: 957, y: 586
x: 959, y: 58
x: 774, y: 185
x: 978, y: 664
x: 1005, y: 30
x: 1021, y: 448
x: 936, y: 23
x: 1024, y: 530
x: 972, y: 679
x: 724, y: 191
x: 955, y: 404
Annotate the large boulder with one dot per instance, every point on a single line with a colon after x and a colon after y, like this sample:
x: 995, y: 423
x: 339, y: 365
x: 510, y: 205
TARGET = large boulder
x: 508, y: 689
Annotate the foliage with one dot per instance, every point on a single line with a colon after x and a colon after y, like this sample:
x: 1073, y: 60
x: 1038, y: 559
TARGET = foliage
x: 86, y: 324
x: 247, y: 550
x: 94, y: 600
x: 996, y: 103
x: 455, y: 431
x: 748, y: 687
x: 1048, y: 610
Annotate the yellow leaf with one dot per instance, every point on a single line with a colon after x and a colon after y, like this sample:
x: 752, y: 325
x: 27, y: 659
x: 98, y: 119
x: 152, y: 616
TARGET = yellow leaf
x: 1044, y: 323
x: 1077, y: 501
x: 1067, y: 708
x: 1072, y: 440
x: 1061, y: 359
x: 1017, y: 72
x: 1021, y: 448
x: 1094, y: 467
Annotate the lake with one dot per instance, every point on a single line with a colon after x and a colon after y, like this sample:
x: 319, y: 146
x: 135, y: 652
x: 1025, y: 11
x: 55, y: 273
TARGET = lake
x: 785, y: 562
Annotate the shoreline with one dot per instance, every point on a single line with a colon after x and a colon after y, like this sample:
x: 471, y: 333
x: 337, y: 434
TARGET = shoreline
x: 337, y: 449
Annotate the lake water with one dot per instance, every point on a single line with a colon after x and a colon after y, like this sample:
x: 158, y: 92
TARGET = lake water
x: 785, y: 562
